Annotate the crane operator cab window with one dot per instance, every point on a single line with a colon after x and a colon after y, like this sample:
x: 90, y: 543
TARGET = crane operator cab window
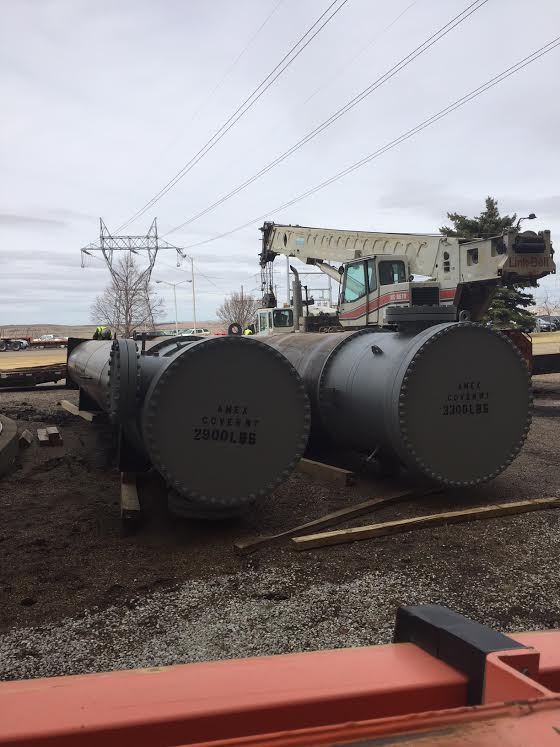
x: 371, y: 275
x: 391, y: 272
x: 283, y: 318
x: 354, y: 283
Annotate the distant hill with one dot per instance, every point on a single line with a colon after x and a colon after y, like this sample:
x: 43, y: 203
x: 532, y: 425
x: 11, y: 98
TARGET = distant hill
x: 87, y: 330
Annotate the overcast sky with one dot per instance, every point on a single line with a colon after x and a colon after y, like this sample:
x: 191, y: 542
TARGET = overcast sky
x: 104, y: 101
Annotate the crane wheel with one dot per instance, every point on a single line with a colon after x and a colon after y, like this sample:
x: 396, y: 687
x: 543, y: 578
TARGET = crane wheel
x: 16, y: 346
x: 234, y: 329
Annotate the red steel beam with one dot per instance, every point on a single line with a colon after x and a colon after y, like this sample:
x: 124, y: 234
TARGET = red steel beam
x: 219, y: 700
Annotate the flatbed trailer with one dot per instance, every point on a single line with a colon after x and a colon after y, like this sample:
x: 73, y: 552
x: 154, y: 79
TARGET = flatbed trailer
x: 28, y: 377
x: 14, y: 344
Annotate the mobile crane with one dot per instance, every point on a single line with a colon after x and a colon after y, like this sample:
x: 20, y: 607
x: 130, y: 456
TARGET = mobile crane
x: 389, y: 276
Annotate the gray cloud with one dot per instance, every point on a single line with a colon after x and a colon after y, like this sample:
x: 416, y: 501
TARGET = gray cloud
x: 29, y: 221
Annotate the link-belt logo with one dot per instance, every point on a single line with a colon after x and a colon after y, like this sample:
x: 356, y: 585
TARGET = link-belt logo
x: 230, y: 423
x: 534, y: 261
x: 469, y: 398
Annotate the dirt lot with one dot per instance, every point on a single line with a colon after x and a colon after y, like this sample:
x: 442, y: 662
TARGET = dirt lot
x: 64, y: 555
x: 31, y: 357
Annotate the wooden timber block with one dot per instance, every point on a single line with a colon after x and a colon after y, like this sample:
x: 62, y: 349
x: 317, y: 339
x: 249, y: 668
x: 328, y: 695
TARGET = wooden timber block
x: 91, y: 417
x: 43, y: 437
x: 325, y: 472
x: 54, y: 436
x: 131, y: 512
x: 25, y: 439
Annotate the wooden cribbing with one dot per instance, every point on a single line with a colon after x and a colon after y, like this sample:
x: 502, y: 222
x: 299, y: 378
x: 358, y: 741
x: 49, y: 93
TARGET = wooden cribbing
x: 91, y: 417
x: 131, y: 511
x: 328, y: 520
x: 339, y: 536
x: 325, y: 472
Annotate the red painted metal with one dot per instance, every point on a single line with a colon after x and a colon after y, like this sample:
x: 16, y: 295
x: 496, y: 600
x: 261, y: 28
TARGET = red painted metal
x: 530, y: 724
x: 216, y: 700
x: 321, y: 698
x: 510, y: 675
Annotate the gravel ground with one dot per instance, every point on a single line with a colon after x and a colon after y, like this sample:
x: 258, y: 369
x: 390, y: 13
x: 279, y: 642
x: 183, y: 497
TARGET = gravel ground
x: 77, y: 596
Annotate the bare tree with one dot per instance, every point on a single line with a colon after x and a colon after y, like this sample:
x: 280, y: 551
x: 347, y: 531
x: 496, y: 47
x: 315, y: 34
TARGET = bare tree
x: 238, y: 309
x: 548, y: 304
x: 129, y: 302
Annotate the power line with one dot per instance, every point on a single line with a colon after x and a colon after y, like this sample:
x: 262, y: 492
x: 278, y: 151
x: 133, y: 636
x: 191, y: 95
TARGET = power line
x: 247, y: 104
x: 198, y: 272
x: 404, y: 62
x: 223, y: 78
x: 275, y: 129
x: 351, y: 61
x: 499, y: 78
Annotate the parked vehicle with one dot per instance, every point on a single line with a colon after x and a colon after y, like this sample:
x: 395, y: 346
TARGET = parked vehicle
x: 49, y: 341
x: 199, y: 331
x: 12, y: 344
x: 545, y: 325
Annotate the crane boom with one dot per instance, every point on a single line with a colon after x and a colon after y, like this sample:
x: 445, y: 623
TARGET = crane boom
x: 511, y: 257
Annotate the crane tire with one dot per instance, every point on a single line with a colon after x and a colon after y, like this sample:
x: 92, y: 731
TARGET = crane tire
x: 2, y: 346
x: 16, y: 346
x: 234, y: 329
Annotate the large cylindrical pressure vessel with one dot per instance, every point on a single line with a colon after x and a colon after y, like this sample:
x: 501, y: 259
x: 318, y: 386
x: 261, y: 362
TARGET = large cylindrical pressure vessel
x: 451, y: 401
x: 223, y: 419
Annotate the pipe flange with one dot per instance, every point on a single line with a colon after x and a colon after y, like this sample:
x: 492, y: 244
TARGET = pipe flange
x: 402, y: 406
x: 186, y: 360
x: 124, y: 380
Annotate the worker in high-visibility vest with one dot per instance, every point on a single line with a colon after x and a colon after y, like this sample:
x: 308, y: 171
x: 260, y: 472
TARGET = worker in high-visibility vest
x: 248, y: 331
x: 102, y: 333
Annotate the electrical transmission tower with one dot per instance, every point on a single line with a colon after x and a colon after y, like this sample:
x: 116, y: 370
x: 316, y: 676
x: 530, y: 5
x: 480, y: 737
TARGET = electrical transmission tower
x: 109, y: 244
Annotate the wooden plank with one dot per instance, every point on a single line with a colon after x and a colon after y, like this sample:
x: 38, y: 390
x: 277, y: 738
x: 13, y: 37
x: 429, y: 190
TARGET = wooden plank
x: 326, y: 472
x: 42, y: 437
x: 310, y: 541
x: 25, y: 439
x: 131, y: 511
x: 91, y: 417
x: 328, y: 520
x: 54, y: 435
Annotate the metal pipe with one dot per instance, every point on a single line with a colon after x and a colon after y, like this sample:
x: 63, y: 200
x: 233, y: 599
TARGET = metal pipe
x: 223, y: 419
x: 440, y: 400
x: 297, y: 302
x: 193, y: 295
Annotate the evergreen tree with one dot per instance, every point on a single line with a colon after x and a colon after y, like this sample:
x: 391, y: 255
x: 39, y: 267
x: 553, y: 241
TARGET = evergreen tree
x: 509, y: 307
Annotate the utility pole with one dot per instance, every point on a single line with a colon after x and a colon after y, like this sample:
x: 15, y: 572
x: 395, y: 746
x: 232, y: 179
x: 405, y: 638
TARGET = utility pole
x: 288, y: 280
x: 174, y: 286
x: 241, y: 296
x: 193, y: 293
x: 175, y: 304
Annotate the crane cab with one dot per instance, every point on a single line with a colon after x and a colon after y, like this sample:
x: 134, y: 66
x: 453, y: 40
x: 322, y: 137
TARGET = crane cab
x: 274, y: 321
x: 372, y: 284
